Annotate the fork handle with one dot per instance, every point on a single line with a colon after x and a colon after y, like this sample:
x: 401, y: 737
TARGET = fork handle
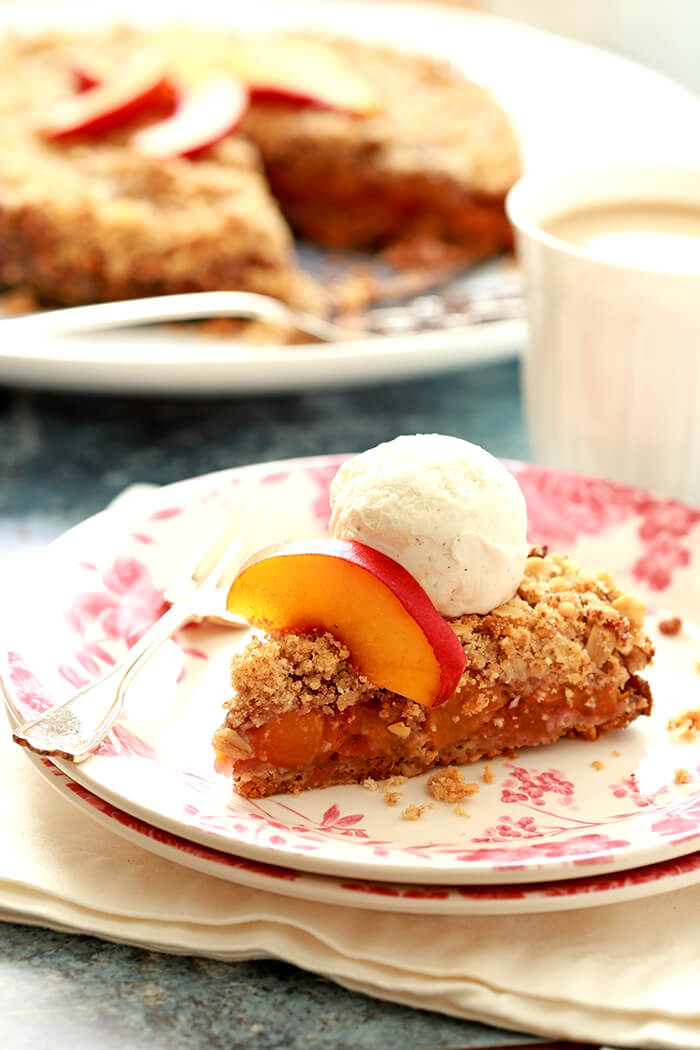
x: 74, y: 729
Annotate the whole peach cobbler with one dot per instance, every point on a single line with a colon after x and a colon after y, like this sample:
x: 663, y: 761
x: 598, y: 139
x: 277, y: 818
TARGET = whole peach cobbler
x: 425, y: 632
x: 139, y: 163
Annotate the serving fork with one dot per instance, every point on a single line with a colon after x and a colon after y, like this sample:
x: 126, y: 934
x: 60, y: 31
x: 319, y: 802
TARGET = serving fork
x: 500, y: 302
x: 74, y: 729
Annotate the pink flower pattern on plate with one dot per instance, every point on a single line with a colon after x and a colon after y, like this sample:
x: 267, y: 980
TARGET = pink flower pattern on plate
x: 562, y: 507
x: 529, y: 785
x: 679, y: 823
x: 592, y: 847
x: 129, y: 604
x: 31, y: 696
x: 628, y: 788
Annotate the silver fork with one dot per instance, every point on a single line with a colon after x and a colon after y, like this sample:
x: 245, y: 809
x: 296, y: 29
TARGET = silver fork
x: 73, y: 730
x: 500, y: 302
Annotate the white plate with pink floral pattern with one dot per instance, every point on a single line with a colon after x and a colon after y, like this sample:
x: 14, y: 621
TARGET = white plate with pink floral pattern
x: 568, y: 810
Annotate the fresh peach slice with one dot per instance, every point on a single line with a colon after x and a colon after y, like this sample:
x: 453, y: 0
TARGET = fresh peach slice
x: 138, y: 86
x: 395, y: 635
x: 210, y: 112
x: 302, y: 71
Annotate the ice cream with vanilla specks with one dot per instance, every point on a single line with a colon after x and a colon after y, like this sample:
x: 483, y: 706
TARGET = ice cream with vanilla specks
x: 445, y: 509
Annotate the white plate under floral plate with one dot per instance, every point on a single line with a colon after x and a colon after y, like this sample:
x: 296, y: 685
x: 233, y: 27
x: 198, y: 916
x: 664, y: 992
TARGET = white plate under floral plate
x: 571, y: 105
x: 567, y: 810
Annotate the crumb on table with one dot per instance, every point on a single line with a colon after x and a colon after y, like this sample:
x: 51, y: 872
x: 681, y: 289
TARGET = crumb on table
x: 370, y: 784
x: 597, y: 765
x: 681, y: 776
x: 616, y: 753
x: 489, y: 775
x: 462, y: 812
x: 449, y: 785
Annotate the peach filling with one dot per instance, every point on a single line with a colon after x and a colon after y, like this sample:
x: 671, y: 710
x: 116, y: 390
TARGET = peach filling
x: 305, y: 739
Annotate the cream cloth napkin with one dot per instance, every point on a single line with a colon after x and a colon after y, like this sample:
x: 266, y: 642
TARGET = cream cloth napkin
x: 626, y: 975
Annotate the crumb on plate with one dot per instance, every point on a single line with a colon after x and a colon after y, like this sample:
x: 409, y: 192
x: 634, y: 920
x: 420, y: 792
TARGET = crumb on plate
x: 449, y: 785
x: 685, y: 726
x: 413, y: 812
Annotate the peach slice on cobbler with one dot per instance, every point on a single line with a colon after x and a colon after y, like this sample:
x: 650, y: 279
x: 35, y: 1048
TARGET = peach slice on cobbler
x: 395, y: 636
x: 204, y: 115
x: 303, y: 72
x: 139, y: 86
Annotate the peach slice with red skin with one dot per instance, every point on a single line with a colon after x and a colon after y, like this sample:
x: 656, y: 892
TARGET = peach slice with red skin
x: 275, y: 70
x: 204, y: 116
x: 139, y: 86
x: 394, y: 634
x: 303, y: 72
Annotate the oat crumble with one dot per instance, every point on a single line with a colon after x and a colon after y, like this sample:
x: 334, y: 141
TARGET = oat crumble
x: 413, y: 812
x: 449, y: 785
x: 391, y: 798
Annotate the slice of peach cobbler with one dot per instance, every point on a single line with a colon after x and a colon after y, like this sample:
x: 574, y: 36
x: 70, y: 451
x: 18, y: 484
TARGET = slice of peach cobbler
x: 367, y: 669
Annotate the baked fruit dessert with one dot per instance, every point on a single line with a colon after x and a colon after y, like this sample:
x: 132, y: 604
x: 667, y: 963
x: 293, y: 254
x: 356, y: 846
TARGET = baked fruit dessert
x: 137, y: 164
x: 86, y: 217
x: 350, y: 682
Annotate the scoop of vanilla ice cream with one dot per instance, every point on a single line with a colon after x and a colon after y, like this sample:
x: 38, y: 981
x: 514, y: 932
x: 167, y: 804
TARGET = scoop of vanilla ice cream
x: 445, y: 509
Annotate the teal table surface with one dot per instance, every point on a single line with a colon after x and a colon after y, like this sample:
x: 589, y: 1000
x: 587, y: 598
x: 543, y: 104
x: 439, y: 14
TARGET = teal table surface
x: 64, y: 457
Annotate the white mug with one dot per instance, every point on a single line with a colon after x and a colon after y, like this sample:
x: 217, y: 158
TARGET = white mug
x: 611, y: 376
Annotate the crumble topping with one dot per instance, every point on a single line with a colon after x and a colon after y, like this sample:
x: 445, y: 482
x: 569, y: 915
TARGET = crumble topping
x: 283, y: 672
x: 525, y: 638
x: 449, y: 785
